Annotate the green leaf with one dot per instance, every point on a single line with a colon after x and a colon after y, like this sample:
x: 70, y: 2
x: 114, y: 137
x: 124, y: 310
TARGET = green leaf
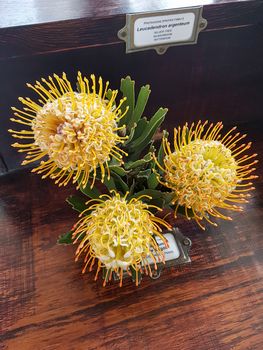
x: 144, y: 173
x: 165, y: 198
x: 109, y: 94
x: 78, y: 87
x: 140, y: 105
x: 66, y: 238
x: 141, y: 142
x: 118, y: 170
x: 114, y: 162
x: 131, y: 165
x: 116, y: 183
x: 152, y: 181
x: 168, y: 197
x: 130, y: 138
x: 90, y: 192
x: 110, y: 184
x: 132, y: 187
x: 77, y: 203
x: 127, y: 88
x: 142, y: 124
x: 161, y: 154
x: 187, y: 135
x: 120, y: 184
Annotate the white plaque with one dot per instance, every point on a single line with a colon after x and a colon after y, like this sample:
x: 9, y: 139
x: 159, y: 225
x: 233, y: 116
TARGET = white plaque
x: 170, y: 253
x: 162, y: 29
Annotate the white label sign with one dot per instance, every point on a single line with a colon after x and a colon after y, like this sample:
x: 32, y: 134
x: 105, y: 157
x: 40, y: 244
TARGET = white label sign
x: 163, y: 29
x: 170, y: 253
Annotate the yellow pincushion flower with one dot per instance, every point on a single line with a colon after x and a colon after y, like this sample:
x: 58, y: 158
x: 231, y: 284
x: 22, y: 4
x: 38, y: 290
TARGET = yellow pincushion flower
x: 205, y: 170
x: 119, y: 235
x: 75, y: 132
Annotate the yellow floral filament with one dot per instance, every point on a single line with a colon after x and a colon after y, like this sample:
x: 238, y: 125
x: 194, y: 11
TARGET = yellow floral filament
x: 206, y: 169
x: 119, y: 234
x: 74, y: 133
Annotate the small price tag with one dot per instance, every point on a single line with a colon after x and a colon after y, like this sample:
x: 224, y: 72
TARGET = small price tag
x: 160, y: 30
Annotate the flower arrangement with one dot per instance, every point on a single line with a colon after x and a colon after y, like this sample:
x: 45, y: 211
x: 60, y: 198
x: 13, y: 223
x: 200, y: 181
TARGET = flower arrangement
x: 99, y: 139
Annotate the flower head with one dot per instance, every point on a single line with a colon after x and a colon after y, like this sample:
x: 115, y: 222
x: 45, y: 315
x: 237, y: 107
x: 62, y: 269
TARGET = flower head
x: 72, y: 132
x: 119, y: 235
x: 206, y: 170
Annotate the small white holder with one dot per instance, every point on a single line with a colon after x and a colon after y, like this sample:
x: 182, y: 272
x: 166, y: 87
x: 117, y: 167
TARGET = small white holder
x: 176, y: 254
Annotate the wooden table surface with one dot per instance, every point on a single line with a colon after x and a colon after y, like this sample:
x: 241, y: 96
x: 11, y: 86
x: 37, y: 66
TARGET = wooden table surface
x: 216, y: 302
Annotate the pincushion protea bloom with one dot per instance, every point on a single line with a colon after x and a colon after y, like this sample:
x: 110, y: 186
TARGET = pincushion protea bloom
x: 75, y: 132
x: 206, y: 170
x: 119, y: 235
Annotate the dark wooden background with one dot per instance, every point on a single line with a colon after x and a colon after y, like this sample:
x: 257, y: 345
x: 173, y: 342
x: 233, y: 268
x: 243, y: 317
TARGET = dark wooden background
x: 220, y: 78
x: 214, y: 303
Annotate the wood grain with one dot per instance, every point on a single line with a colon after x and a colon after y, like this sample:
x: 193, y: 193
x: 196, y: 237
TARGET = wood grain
x: 215, y: 303
x: 97, y: 23
x: 220, y: 78
x: 42, y: 11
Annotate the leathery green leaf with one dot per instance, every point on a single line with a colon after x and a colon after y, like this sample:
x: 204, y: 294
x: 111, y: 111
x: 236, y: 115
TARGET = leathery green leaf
x: 161, y: 154
x: 142, y: 124
x: 131, y: 165
x: 140, y: 105
x: 118, y: 170
x: 145, y: 138
x: 66, y: 238
x: 77, y: 203
x: 127, y: 88
x: 152, y: 181
x: 90, y: 192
